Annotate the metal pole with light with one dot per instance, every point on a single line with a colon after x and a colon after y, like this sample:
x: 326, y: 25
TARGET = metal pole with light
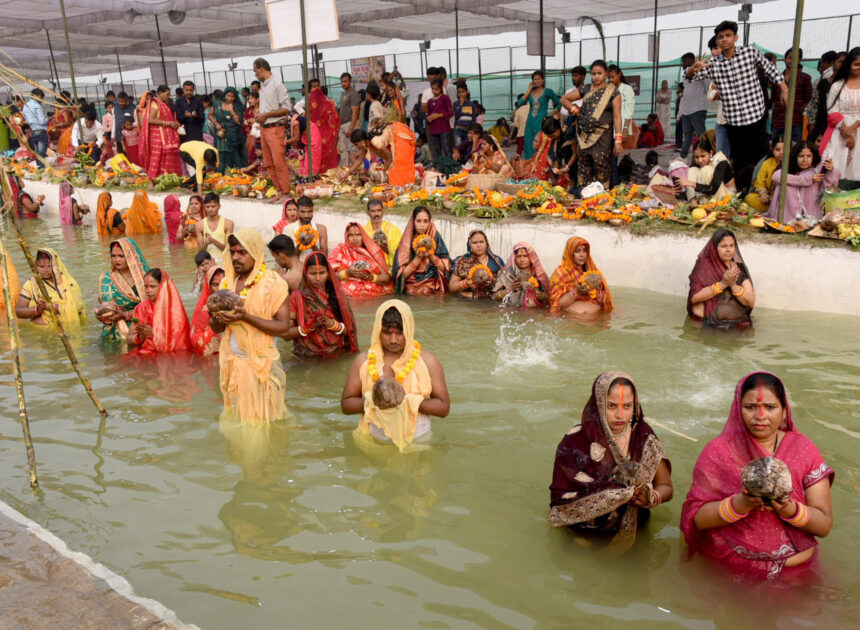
x: 307, y: 92
x: 203, y: 65
x: 789, y: 107
x: 119, y: 67
x: 161, y: 50
x: 542, y: 58
x: 71, y: 65
x: 457, y: 34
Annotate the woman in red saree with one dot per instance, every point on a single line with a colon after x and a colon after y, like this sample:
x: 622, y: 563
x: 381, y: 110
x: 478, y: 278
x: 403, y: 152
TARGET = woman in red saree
x: 361, y: 264
x: 172, y: 217
x: 721, y: 292
x: 321, y: 322
x: 204, y: 340
x: 652, y: 133
x: 544, y: 164
x: 746, y: 535
x: 423, y: 271
x: 158, y: 149
x: 323, y: 112
x: 289, y: 215
x: 162, y: 324
x: 567, y: 293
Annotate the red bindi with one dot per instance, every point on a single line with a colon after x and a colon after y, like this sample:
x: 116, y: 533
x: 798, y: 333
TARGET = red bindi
x: 759, y: 400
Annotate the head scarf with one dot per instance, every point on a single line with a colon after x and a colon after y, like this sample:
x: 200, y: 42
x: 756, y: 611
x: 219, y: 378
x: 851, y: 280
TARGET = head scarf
x: 172, y: 216
x: 143, y: 216
x: 250, y: 239
x: 710, y: 268
x: 104, y: 216
x: 405, y: 252
x: 368, y: 248
x: 67, y: 216
x: 170, y: 329
x: 567, y: 274
x: 495, y: 263
x: 537, y: 268
x: 137, y: 265
x: 201, y: 334
x: 72, y: 310
x: 284, y: 222
x: 335, y: 296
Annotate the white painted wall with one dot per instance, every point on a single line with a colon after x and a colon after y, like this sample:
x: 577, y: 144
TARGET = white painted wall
x: 789, y: 277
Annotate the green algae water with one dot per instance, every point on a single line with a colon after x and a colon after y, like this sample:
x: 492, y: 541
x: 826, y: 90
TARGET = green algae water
x: 297, y: 526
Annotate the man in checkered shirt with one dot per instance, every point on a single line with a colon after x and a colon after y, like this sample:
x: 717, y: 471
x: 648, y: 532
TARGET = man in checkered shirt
x: 735, y: 73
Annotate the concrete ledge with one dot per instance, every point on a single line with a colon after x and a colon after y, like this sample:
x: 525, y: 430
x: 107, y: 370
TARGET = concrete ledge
x: 43, y: 584
x: 788, y: 277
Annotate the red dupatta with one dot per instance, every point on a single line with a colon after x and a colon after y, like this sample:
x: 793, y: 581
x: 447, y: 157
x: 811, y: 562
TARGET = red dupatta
x: 345, y: 255
x: 172, y: 216
x: 170, y: 329
x: 202, y: 336
x: 284, y: 222
x: 709, y: 269
x: 323, y: 112
x: 759, y: 544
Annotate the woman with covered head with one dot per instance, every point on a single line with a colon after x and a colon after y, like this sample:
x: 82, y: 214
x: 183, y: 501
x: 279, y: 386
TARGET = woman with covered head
x: 396, y: 385
x: 121, y: 289
x: 67, y: 302
x: 160, y: 322
x: 143, y: 216
x: 610, y: 470
x: 721, y: 291
x: 523, y: 283
x: 321, y: 322
x: 229, y: 139
x: 71, y: 212
x: 763, y: 520
x: 474, y: 273
x: 577, y: 287
x: 361, y: 265
x: 204, y: 341
x: 421, y: 264
x: 109, y: 220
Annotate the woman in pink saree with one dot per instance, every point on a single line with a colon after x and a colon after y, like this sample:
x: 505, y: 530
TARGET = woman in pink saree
x: 748, y: 535
x: 158, y: 149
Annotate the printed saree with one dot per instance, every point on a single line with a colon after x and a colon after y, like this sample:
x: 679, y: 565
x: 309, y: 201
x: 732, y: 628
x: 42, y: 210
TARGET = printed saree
x: 166, y: 315
x: 204, y: 340
x: 427, y: 279
x: 113, y: 287
x: 323, y: 112
x: 566, y: 276
x: 231, y: 147
x: 462, y: 265
x: 368, y: 256
x: 528, y: 296
x: 158, y: 148
x: 723, y: 310
x: 63, y: 290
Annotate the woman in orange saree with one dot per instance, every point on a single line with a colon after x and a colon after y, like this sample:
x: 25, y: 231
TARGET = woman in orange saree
x: 158, y: 148
x: 204, y: 340
x: 160, y: 322
x: 108, y: 220
x: 323, y: 112
x: 396, y: 146
x: 361, y: 264
x: 143, y: 217
x: 577, y: 287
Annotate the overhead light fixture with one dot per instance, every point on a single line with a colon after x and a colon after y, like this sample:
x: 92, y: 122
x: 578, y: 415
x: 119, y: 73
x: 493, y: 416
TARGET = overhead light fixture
x: 176, y: 17
x: 129, y: 16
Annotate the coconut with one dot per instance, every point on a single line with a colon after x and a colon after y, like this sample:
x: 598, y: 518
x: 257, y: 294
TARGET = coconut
x: 616, y: 222
x: 223, y: 301
x: 387, y: 393
x: 480, y: 277
x: 381, y: 239
x: 360, y: 265
x: 425, y: 241
x: 626, y: 473
x: 306, y: 238
x: 593, y: 280
x: 768, y: 478
x: 831, y: 220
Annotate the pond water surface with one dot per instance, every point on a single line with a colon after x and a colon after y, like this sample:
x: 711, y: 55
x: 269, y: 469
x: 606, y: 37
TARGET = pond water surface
x: 299, y: 527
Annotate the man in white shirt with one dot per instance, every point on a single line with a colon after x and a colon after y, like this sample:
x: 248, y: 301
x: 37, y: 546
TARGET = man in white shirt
x: 88, y: 132
x: 274, y: 107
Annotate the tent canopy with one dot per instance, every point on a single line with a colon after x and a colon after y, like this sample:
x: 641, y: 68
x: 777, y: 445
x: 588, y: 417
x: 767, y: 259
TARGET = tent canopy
x: 99, y: 30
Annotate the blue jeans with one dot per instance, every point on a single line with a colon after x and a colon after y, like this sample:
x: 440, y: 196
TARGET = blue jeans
x: 460, y: 136
x: 722, y: 133
x: 39, y: 142
x: 694, y: 125
x: 440, y: 144
x: 796, y: 133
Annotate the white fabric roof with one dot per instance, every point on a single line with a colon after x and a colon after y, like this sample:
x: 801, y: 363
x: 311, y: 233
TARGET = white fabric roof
x: 101, y: 29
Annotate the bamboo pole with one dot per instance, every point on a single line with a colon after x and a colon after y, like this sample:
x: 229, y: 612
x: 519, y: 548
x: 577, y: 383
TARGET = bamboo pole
x: 789, y: 108
x: 670, y: 430
x: 16, y: 366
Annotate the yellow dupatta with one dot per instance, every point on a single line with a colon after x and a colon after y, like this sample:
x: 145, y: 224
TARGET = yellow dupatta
x: 65, y: 293
x: 398, y: 424
x: 143, y: 216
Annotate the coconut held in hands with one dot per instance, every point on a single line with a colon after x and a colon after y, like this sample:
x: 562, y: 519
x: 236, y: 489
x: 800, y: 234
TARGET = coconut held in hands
x: 223, y: 301
x: 768, y: 478
x: 387, y: 393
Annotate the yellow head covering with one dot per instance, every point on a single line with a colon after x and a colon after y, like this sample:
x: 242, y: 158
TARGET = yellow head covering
x: 73, y: 311
x: 251, y: 240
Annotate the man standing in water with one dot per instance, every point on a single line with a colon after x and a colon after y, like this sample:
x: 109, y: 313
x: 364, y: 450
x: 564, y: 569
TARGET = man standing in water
x: 252, y: 380
x: 396, y: 385
x: 306, y: 218
x: 285, y: 254
x: 385, y: 233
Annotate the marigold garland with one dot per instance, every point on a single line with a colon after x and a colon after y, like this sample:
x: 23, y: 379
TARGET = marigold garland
x: 479, y: 197
x: 244, y: 292
x: 537, y: 192
x: 457, y: 177
x: 592, y: 293
x: 422, y: 248
x: 402, y: 374
x: 475, y: 268
x: 307, y: 229
x: 534, y: 282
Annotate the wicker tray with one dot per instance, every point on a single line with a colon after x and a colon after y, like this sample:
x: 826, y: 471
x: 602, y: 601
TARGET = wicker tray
x: 484, y: 181
x: 508, y: 188
x: 819, y: 233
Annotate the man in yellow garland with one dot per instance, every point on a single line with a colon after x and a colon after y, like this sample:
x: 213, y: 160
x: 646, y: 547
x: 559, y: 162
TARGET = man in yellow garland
x: 385, y: 233
x: 252, y: 380
x: 315, y: 231
x: 394, y: 354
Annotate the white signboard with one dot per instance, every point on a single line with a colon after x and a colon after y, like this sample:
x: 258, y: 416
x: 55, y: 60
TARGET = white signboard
x: 285, y: 24
x: 533, y: 38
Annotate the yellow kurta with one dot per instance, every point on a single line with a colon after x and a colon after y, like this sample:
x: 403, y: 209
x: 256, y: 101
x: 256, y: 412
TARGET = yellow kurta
x: 63, y: 291
x: 763, y: 181
x: 393, y: 233
x: 252, y: 379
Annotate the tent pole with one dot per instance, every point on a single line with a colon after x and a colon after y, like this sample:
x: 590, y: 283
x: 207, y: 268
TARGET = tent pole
x: 789, y: 107
x: 656, y: 61
x: 203, y: 64
x: 457, y: 34
x: 307, y: 92
x: 542, y: 58
x: 161, y: 50
x: 121, y: 82
x: 52, y: 67
x: 71, y: 64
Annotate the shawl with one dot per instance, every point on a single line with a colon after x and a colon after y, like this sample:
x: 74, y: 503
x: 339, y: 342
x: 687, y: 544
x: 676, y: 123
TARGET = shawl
x: 114, y: 288
x: 462, y: 264
x: 309, y: 304
x: 709, y: 269
x: 67, y: 216
x: 346, y: 255
x: 65, y: 292
x: 425, y: 271
x: 168, y: 138
x: 583, y: 493
x: 759, y: 544
x: 324, y: 114
x: 143, y: 216
x: 594, y: 104
x: 233, y: 130
x: 566, y: 275
x: 398, y: 424
x: 170, y: 329
x: 833, y: 121
x: 204, y: 340
x: 172, y: 216
x: 105, y: 214
x: 527, y: 296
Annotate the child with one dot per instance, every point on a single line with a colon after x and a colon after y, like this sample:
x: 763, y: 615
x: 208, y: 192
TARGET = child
x: 422, y: 150
x: 130, y: 139
x: 808, y: 176
x: 763, y: 185
x: 500, y: 131
x: 710, y: 176
x: 439, y: 111
x: 285, y: 254
x: 108, y: 148
x: 204, y: 262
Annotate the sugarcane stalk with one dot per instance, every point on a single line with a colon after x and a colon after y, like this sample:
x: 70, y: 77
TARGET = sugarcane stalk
x: 43, y: 290
x: 16, y: 366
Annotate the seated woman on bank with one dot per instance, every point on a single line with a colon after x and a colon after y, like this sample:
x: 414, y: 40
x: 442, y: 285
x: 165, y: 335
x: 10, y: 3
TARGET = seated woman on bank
x: 396, y: 385
x: 67, y: 303
x: 474, y: 273
x: 204, y: 340
x: 395, y: 146
x: 721, y: 290
x: 361, y: 264
x: 577, y: 287
x: 610, y: 470
x: 109, y: 220
x: 143, y: 216
x: 651, y: 133
x: 160, y: 323
x: 490, y: 159
x: 121, y: 289
x: 760, y: 520
x: 71, y: 212
x: 472, y: 146
x: 523, y: 283
x: 547, y: 162
x: 321, y: 322
x: 763, y: 185
x: 808, y: 176
x: 421, y: 263
x: 710, y: 178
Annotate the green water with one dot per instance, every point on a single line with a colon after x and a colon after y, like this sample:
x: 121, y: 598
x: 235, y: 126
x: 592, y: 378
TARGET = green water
x: 303, y: 529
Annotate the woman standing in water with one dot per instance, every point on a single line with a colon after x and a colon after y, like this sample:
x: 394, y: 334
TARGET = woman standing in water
x: 522, y: 283
x: 465, y: 278
x: 161, y: 324
x: 610, y: 470
x: 721, y: 292
x: 421, y: 263
x: 67, y: 303
x: 577, y: 287
x: 121, y: 288
x: 723, y: 521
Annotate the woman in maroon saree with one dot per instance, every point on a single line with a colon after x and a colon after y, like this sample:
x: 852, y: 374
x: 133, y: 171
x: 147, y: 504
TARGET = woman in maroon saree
x: 723, y: 522
x: 721, y: 290
x: 610, y: 470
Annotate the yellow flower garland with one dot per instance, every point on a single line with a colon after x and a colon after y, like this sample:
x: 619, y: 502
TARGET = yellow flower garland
x: 415, y: 247
x: 592, y: 293
x: 402, y: 374
x: 307, y: 229
x: 244, y: 292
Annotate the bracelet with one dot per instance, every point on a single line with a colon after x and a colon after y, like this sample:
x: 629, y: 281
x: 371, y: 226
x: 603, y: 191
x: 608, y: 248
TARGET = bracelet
x: 619, y: 137
x: 739, y: 292
x: 374, y: 278
x: 302, y: 332
x: 716, y: 288
x: 800, y: 518
x: 727, y: 511
x: 340, y: 329
x: 655, y: 498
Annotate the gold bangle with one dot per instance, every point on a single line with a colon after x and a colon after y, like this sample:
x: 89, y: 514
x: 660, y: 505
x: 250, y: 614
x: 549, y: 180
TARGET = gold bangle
x: 739, y: 292
x: 716, y: 288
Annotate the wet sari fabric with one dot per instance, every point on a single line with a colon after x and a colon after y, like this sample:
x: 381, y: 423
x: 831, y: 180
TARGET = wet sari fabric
x: 723, y: 310
x: 63, y: 290
x: 170, y: 328
x: 369, y: 254
x: 426, y: 279
x: 566, y: 276
x: 113, y: 287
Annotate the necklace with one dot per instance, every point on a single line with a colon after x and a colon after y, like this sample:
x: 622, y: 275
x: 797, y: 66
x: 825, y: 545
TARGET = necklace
x: 244, y: 292
x: 401, y: 375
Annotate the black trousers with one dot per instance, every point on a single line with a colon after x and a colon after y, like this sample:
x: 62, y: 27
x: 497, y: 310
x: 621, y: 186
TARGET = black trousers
x: 748, y: 147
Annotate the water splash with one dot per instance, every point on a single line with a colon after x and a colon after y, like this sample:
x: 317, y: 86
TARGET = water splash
x: 524, y: 344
